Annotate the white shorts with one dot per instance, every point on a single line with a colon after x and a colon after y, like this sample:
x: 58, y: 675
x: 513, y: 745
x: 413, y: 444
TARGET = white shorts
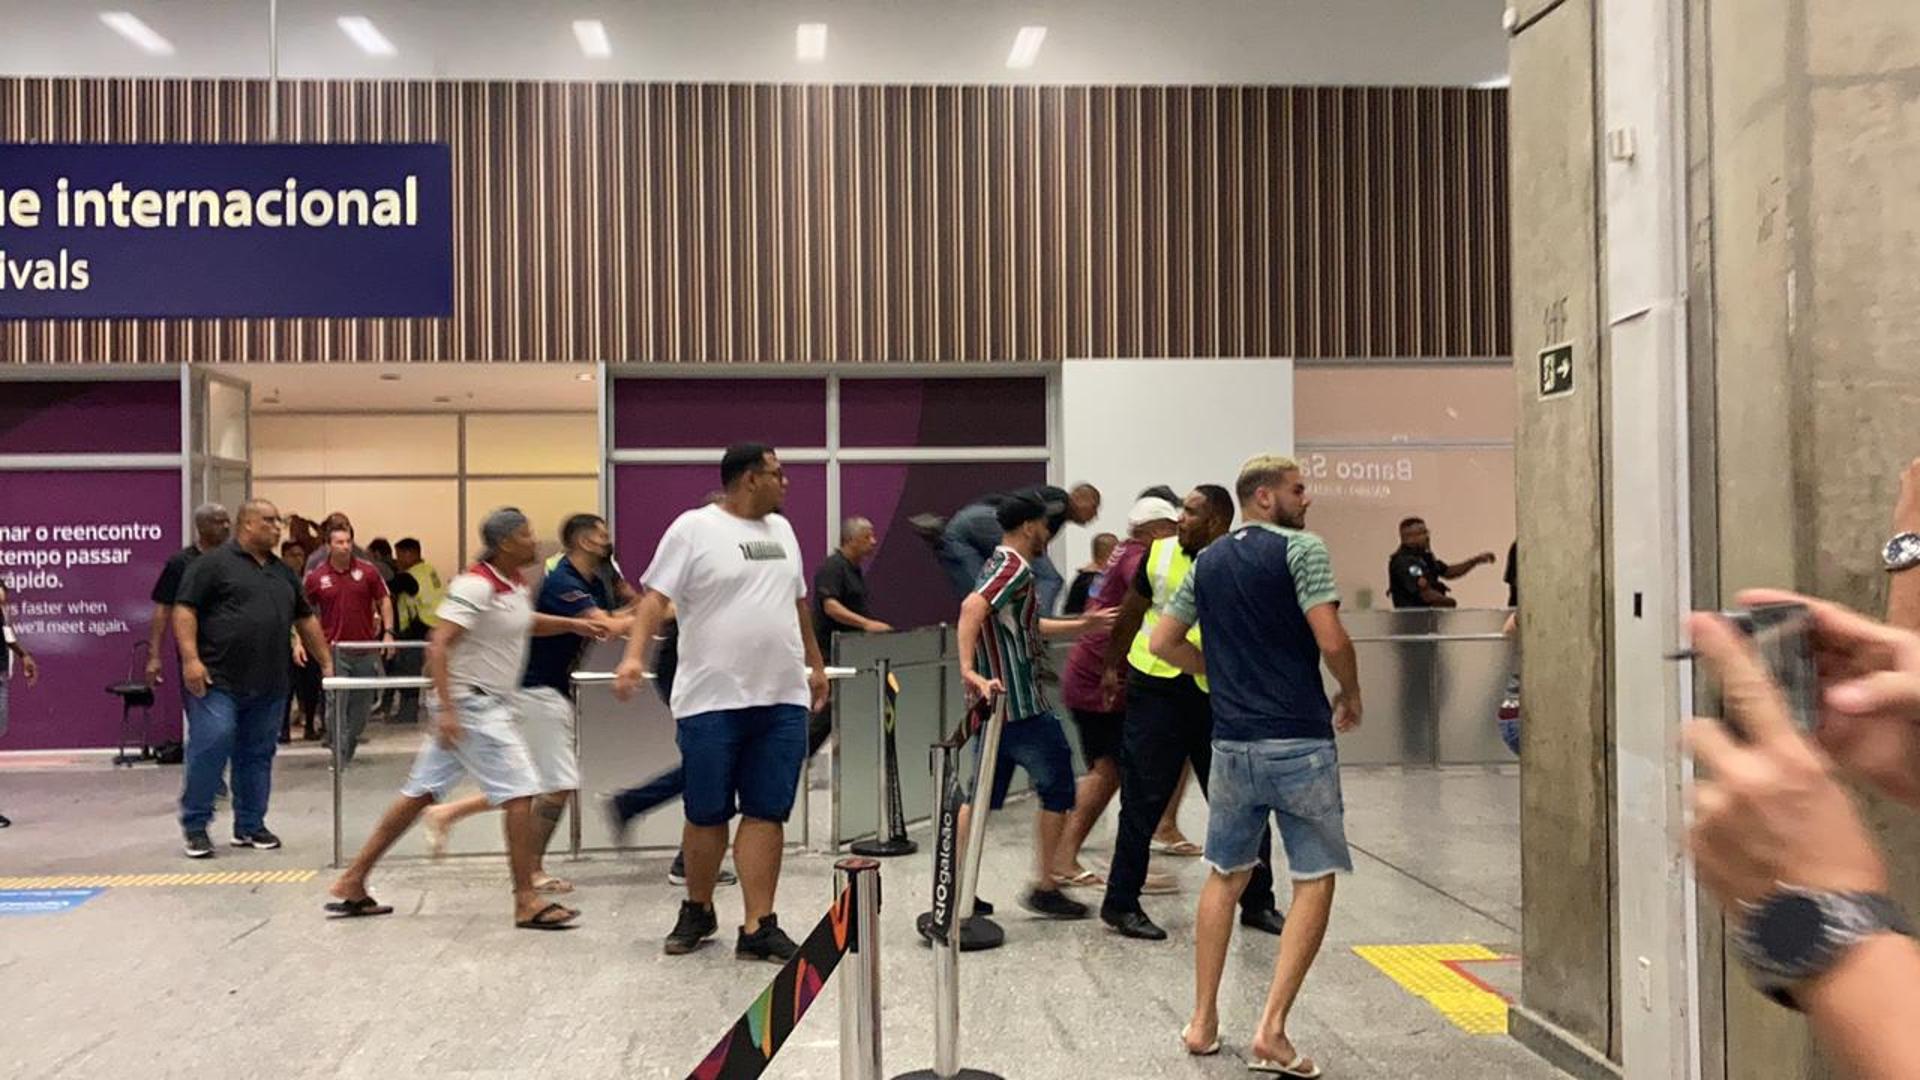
x: 491, y: 749
x: 546, y: 722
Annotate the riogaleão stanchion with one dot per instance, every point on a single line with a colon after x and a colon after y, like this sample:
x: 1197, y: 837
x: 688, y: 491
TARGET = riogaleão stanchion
x: 848, y: 937
x: 893, y: 840
x: 954, y: 882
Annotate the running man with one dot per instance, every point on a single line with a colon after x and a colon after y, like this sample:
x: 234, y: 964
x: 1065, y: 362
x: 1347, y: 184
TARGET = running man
x: 1001, y: 634
x: 749, y: 672
x: 575, y: 588
x: 1268, y: 602
x: 475, y: 659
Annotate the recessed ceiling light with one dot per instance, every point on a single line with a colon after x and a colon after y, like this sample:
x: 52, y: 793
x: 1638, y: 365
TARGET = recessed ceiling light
x: 810, y: 42
x: 129, y: 26
x: 585, y: 376
x: 1500, y: 82
x: 1026, y: 46
x: 366, y: 35
x: 389, y: 376
x: 592, y: 35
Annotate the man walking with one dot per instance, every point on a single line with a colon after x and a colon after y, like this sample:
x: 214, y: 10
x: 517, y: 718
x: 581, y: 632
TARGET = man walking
x: 475, y: 661
x: 1000, y: 638
x: 211, y: 528
x: 354, y: 605
x: 1169, y: 723
x: 1098, y: 703
x: 1268, y: 602
x: 964, y: 542
x: 234, y: 617
x: 575, y: 588
x: 749, y: 671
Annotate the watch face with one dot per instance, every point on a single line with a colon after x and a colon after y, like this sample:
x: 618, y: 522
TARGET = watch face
x: 1792, y: 933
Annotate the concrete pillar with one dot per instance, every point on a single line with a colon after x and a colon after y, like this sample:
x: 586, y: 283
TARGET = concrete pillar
x: 1566, y: 859
x: 1814, y: 120
x: 1804, y: 145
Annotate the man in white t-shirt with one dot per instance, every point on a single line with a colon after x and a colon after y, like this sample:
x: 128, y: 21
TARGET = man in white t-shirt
x: 475, y: 658
x: 749, y: 673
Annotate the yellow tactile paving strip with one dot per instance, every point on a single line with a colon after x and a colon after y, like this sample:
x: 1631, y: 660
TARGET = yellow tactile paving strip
x: 135, y: 881
x: 1425, y: 972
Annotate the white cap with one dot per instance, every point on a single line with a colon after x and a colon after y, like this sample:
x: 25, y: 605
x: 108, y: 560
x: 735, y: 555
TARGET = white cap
x: 1151, y: 508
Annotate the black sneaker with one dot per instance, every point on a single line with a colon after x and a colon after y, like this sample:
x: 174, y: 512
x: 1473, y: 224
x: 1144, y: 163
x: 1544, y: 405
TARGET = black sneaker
x: 695, y: 925
x: 768, y: 943
x: 931, y: 528
x: 199, y: 846
x: 259, y: 838
x: 1053, y: 904
x: 677, y: 873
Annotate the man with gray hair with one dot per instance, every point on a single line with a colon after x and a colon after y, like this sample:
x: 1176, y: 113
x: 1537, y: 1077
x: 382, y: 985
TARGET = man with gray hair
x: 211, y: 527
x: 475, y: 658
x: 840, y: 602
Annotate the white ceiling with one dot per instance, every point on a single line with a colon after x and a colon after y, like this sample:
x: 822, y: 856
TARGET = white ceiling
x: 1355, y: 42
x: 467, y: 387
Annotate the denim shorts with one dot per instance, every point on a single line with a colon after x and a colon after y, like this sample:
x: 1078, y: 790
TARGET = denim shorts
x: 1294, y: 780
x: 490, y: 749
x: 1037, y: 745
x: 744, y: 761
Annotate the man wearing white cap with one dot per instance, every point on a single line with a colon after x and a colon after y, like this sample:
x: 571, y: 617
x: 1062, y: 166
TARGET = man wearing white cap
x: 1098, y: 703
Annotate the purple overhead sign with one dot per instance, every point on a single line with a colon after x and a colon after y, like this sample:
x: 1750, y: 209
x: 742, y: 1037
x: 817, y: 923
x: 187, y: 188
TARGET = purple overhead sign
x: 261, y: 230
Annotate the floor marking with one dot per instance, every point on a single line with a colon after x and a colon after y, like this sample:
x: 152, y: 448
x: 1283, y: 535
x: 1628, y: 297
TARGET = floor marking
x: 126, y: 881
x: 1431, y: 972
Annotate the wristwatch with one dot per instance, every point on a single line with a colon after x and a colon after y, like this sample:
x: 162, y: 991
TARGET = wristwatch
x: 1902, y: 552
x: 1797, y: 934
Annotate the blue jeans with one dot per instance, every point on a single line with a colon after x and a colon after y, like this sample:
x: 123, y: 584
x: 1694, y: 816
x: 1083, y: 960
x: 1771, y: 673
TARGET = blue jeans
x: 742, y: 760
x: 634, y: 801
x: 1037, y: 745
x: 223, y: 727
x: 971, y: 537
x: 1293, y: 781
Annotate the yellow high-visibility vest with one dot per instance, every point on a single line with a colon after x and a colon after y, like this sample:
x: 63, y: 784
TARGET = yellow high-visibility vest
x: 424, y: 605
x: 1168, y: 564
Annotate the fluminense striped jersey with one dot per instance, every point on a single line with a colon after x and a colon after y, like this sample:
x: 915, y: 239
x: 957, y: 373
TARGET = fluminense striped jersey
x: 1011, y: 636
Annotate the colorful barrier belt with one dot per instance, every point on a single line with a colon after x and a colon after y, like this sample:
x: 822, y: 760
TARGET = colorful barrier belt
x: 747, y: 1048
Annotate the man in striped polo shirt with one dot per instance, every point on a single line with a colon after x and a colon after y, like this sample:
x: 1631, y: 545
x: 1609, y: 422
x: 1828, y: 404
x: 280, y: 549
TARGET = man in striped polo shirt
x: 1001, y: 634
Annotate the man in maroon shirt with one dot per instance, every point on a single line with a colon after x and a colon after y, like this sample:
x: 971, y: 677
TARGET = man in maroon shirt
x: 1099, y: 704
x: 354, y: 605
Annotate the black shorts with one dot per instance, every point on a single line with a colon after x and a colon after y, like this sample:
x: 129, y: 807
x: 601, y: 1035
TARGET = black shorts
x: 1099, y: 734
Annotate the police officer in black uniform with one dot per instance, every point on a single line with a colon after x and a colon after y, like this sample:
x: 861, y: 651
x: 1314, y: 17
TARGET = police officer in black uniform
x: 1416, y: 578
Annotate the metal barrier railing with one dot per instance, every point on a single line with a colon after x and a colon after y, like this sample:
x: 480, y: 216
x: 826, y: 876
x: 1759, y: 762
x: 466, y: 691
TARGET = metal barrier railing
x: 336, y: 684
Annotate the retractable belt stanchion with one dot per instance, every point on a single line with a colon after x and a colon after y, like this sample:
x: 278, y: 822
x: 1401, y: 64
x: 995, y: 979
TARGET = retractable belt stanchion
x: 948, y: 934
x: 333, y: 685
x: 860, y: 1024
x: 893, y: 840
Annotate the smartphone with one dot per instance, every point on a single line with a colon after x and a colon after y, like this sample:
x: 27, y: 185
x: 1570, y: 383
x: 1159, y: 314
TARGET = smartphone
x: 1782, y: 634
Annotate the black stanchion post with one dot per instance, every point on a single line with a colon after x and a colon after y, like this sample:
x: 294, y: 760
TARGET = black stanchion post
x: 953, y: 894
x: 893, y: 840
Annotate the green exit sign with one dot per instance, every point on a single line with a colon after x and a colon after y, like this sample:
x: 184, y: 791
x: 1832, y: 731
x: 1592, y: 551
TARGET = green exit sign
x: 1556, y: 371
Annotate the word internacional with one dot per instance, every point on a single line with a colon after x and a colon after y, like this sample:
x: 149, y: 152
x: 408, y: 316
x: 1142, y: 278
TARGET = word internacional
x: 190, y: 231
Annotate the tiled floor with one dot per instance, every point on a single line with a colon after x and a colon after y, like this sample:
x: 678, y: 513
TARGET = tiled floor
x: 245, y: 980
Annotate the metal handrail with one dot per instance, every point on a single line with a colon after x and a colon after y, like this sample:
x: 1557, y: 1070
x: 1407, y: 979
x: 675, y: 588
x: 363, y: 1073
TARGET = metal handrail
x: 375, y: 646
x: 1429, y: 637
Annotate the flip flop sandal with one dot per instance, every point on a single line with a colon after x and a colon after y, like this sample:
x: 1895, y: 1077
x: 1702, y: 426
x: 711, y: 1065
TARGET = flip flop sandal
x: 1085, y: 879
x: 1185, y: 849
x: 541, y: 921
x: 1212, y: 1047
x: 357, y: 909
x: 1300, y: 1067
x: 553, y: 886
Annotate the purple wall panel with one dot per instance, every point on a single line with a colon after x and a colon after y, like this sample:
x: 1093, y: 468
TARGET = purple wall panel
x: 682, y: 413
x: 647, y: 498
x: 80, y: 621
x: 943, y: 412
x: 89, y: 417
x: 907, y: 584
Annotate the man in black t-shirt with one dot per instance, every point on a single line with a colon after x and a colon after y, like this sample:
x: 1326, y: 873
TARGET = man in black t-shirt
x: 211, y: 527
x: 233, y: 619
x: 1416, y: 577
x: 840, y: 587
